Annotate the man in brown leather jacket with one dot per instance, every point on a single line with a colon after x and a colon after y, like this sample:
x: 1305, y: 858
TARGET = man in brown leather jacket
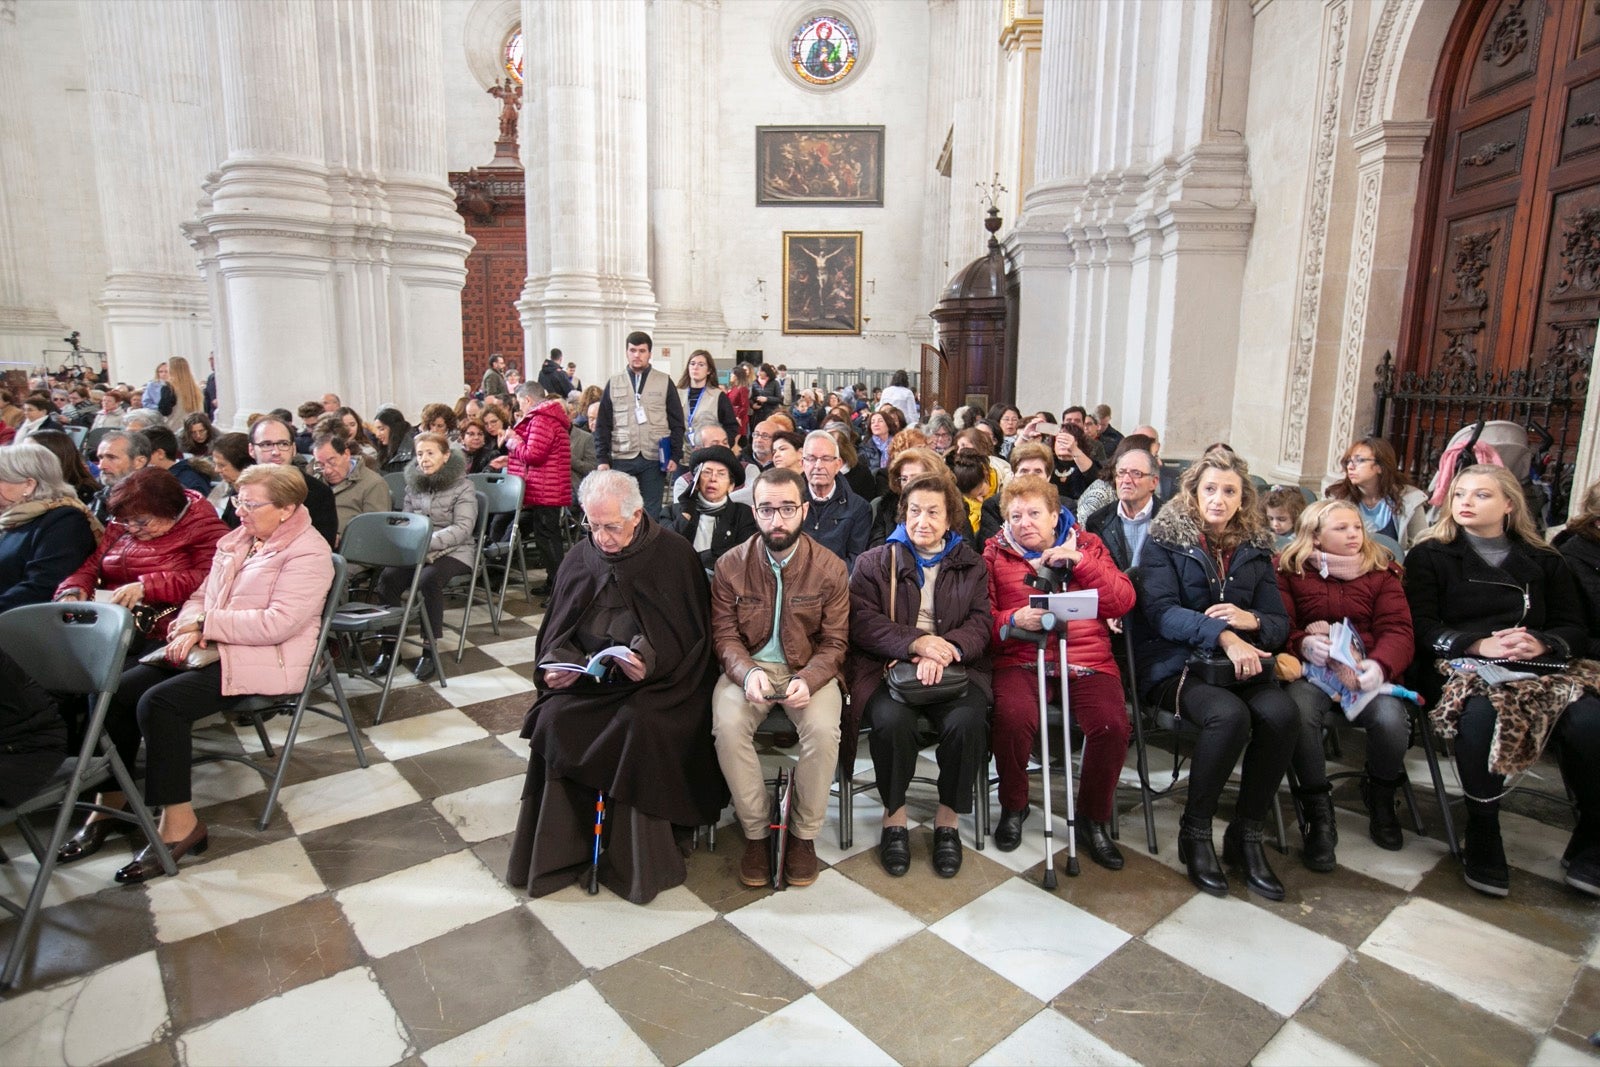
x: 780, y: 621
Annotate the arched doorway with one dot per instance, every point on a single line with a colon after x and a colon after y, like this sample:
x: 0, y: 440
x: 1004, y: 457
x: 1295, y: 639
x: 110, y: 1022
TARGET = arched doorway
x: 1504, y: 289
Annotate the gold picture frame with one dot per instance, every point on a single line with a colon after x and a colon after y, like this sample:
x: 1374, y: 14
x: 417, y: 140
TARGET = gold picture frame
x: 822, y: 282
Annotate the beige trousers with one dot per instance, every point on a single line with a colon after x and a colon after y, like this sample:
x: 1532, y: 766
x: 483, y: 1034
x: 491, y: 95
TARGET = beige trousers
x: 733, y: 723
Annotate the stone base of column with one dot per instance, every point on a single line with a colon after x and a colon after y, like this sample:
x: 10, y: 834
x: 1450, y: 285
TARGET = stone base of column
x: 587, y: 316
x: 152, y: 317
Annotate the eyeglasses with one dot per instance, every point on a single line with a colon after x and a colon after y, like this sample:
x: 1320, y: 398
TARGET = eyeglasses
x: 610, y: 529
x: 812, y: 461
x: 1131, y: 475
x: 250, y: 505
x: 1359, y: 461
x: 761, y: 437
x: 140, y: 524
x: 770, y: 511
x: 274, y: 446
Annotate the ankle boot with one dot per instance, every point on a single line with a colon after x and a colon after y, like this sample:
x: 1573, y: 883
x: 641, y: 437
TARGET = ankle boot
x: 1322, y: 832
x: 1483, y: 860
x: 1197, y: 852
x: 1241, y: 846
x: 1382, y: 823
x: 380, y: 666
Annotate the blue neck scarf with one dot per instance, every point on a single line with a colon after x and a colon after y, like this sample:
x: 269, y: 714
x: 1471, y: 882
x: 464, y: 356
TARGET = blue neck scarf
x: 1064, y: 524
x: 900, y: 537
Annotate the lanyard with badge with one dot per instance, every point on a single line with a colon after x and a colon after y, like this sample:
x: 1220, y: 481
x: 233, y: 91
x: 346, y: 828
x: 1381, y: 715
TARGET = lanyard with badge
x: 689, y: 432
x: 638, y: 398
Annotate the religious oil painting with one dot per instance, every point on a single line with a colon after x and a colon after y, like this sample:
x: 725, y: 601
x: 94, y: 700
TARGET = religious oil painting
x: 819, y: 165
x: 821, y: 283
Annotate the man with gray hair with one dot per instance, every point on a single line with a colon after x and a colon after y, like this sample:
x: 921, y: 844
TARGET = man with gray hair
x: 119, y: 454
x: 357, y: 489
x: 836, y: 517
x: 142, y: 419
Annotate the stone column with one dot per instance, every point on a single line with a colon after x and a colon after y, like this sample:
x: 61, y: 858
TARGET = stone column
x: 152, y: 114
x: 28, y: 323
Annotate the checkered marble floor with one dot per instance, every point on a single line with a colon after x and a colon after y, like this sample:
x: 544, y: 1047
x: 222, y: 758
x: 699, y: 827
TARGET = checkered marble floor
x: 370, y: 924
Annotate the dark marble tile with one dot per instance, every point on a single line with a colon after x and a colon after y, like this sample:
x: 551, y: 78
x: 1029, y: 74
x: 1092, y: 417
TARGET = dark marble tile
x: 325, y: 756
x: 687, y: 994
x: 511, y: 629
x: 714, y: 873
x: 218, y: 973
x: 1135, y: 898
x: 460, y: 980
x: 1548, y: 912
x: 503, y: 714
x: 1342, y: 904
x: 233, y: 825
x: 495, y: 854
x: 1384, y: 1014
x: 403, y: 703
x: 926, y: 1002
x: 448, y: 770
x: 920, y: 891
x: 473, y: 660
x: 84, y: 935
x: 1147, y: 1005
x: 1580, y: 1016
x: 163, y: 1054
x: 363, y: 849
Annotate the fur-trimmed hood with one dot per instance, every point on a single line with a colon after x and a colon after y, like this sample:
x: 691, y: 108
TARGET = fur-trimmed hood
x: 454, y: 469
x: 1178, y: 525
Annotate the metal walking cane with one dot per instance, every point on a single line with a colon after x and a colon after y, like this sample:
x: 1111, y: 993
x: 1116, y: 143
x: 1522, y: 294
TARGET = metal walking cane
x: 1066, y: 744
x: 1040, y: 641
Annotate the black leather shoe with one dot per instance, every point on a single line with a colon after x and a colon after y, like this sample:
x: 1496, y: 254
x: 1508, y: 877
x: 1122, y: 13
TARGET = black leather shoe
x: 90, y: 838
x: 380, y: 666
x: 1199, y: 855
x: 1008, y: 833
x: 1322, y: 833
x: 1382, y: 824
x: 946, y: 851
x: 146, y: 864
x: 1095, y: 839
x: 425, y: 670
x: 894, y: 849
x: 1242, y: 847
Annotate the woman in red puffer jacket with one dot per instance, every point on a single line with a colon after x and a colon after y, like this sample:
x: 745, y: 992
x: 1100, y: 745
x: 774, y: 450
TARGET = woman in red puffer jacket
x: 540, y: 452
x: 157, y: 549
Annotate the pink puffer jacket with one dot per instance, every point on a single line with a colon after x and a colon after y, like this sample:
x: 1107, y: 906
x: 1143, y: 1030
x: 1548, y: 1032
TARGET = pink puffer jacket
x: 264, y: 611
x: 542, y: 456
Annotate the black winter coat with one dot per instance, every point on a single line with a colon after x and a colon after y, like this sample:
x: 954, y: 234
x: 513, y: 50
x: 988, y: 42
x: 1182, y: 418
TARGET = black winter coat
x: 1583, y: 559
x: 33, y: 735
x: 1457, y: 598
x: 39, y: 555
x: 735, y: 525
x: 1104, y: 525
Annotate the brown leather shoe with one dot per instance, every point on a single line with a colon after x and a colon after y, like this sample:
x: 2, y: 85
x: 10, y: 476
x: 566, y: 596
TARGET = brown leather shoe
x: 799, y: 861
x: 755, y: 869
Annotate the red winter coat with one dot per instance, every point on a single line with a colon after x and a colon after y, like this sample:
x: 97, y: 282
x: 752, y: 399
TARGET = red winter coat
x: 1088, y: 640
x: 739, y: 397
x: 1375, y: 604
x: 171, y: 566
x: 543, y: 456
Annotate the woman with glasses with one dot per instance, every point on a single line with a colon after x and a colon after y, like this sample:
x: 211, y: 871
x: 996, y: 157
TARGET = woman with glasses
x: 1390, y: 505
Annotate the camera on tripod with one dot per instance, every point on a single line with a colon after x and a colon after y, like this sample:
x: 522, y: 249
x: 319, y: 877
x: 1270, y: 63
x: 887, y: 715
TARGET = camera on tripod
x: 72, y: 339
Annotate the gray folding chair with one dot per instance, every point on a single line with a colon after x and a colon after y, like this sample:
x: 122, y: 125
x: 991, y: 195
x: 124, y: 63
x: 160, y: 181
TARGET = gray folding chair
x: 480, y: 531
x: 504, y: 494
x: 387, y: 539
x: 396, y: 481
x: 259, y: 708
x: 77, y: 433
x: 76, y: 648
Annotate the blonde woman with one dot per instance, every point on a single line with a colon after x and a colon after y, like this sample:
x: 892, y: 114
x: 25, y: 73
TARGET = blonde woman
x: 1482, y: 583
x: 1333, y: 571
x: 182, y: 395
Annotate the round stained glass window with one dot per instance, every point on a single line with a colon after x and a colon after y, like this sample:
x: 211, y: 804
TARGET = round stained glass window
x: 512, y: 59
x: 824, y: 50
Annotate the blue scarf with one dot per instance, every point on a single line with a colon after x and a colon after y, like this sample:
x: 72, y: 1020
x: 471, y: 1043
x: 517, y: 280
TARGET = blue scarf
x: 1064, y: 525
x: 951, y: 540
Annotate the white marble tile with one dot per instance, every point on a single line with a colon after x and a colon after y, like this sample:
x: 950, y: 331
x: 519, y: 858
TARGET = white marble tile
x: 548, y: 1033
x: 606, y: 929
x: 512, y: 653
x: 823, y: 930
x: 223, y: 780
x: 68, y: 881
x: 467, y: 689
x: 419, y: 903
x: 1552, y: 1053
x: 69, y: 1023
x: 1446, y: 948
x: 483, y: 811
x: 218, y: 893
x: 352, y: 794
x: 1050, y: 1038
x: 1265, y: 957
x: 802, y: 1033
x: 1031, y: 850
x: 312, y: 726
x: 1402, y: 869
x: 1532, y: 845
x: 402, y: 738
x: 344, y: 1019
x: 1035, y: 940
x: 1300, y: 1046
x: 514, y: 740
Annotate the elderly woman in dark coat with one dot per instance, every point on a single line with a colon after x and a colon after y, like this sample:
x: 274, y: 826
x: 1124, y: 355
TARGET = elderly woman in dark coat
x: 708, y: 517
x: 636, y: 731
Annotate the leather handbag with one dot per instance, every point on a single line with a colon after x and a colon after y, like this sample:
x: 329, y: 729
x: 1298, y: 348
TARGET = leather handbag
x: 901, y: 675
x: 196, y: 659
x: 147, y: 617
x: 1215, y: 668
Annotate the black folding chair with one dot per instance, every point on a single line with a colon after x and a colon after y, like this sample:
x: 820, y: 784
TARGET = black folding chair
x: 396, y: 480
x: 387, y: 539
x: 504, y: 493
x: 70, y: 648
x: 480, y: 530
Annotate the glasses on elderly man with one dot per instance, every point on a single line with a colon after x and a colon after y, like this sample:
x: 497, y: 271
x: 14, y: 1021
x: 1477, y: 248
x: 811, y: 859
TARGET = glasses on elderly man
x: 610, y: 529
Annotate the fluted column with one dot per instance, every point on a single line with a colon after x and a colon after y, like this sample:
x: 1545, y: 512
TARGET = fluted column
x: 27, y: 320
x: 684, y: 40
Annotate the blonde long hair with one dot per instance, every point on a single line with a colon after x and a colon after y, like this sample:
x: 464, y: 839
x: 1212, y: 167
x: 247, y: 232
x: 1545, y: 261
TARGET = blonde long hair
x: 1249, y: 523
x: 1293, y: 560
x: 191, y: 397
x: 1519, y: 523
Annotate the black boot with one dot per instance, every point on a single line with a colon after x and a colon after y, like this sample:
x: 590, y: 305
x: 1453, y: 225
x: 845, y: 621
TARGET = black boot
x: 1382, y: 823
x: 1241, y: 846
x: 1198, y: 853
x: 426, y: 668
x: 1322, y: 832
x: 1008, y: 834
x: 1483, y: 860
x: 1095, y: 839
x: 380, y: 666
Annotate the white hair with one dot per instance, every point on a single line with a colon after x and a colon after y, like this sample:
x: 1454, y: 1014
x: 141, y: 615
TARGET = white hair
x: 611, y: 485
x: 139, y: 418
x: 823, y: 435
x: 18, y: 463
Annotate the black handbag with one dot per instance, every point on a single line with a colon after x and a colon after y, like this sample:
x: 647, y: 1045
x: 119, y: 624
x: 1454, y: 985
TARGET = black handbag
x: 1215, y: 668
x: 901, y: 675
x: 147, y: 617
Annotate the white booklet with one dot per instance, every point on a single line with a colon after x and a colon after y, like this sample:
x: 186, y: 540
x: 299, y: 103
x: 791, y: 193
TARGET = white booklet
x: 595, y: 668
x: 1078, y: 604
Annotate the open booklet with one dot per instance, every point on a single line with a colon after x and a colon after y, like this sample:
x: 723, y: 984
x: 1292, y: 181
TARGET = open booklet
x: 1340, y: 679
x: 596, y: 667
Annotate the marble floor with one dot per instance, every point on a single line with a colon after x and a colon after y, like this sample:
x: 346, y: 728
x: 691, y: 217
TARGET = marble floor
x: 370, y: 925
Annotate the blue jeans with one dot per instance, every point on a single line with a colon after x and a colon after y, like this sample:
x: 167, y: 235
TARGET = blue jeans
x: 646, y: 470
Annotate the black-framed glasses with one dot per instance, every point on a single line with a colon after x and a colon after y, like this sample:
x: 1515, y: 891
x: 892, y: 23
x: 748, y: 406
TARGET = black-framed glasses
x: 770, y: 511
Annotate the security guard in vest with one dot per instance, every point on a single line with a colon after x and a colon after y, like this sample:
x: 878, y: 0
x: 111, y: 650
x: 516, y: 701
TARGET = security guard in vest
x: 639, y: 428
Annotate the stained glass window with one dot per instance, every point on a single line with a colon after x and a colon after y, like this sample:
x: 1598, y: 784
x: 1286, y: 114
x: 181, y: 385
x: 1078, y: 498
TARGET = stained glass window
x: 512, y: 57
x: 824, y: 49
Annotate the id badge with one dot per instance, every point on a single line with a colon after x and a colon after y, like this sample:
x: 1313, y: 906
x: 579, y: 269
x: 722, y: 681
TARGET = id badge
x: 638, y: 409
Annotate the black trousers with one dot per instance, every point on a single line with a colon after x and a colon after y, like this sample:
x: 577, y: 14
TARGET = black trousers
x: 544, y: 526
x: 963, y: 728
x: 1258, y: 720
x: 1575, y: 737
x: 160, y: 706
x: 394, y: 581
x: 1385, y: 719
